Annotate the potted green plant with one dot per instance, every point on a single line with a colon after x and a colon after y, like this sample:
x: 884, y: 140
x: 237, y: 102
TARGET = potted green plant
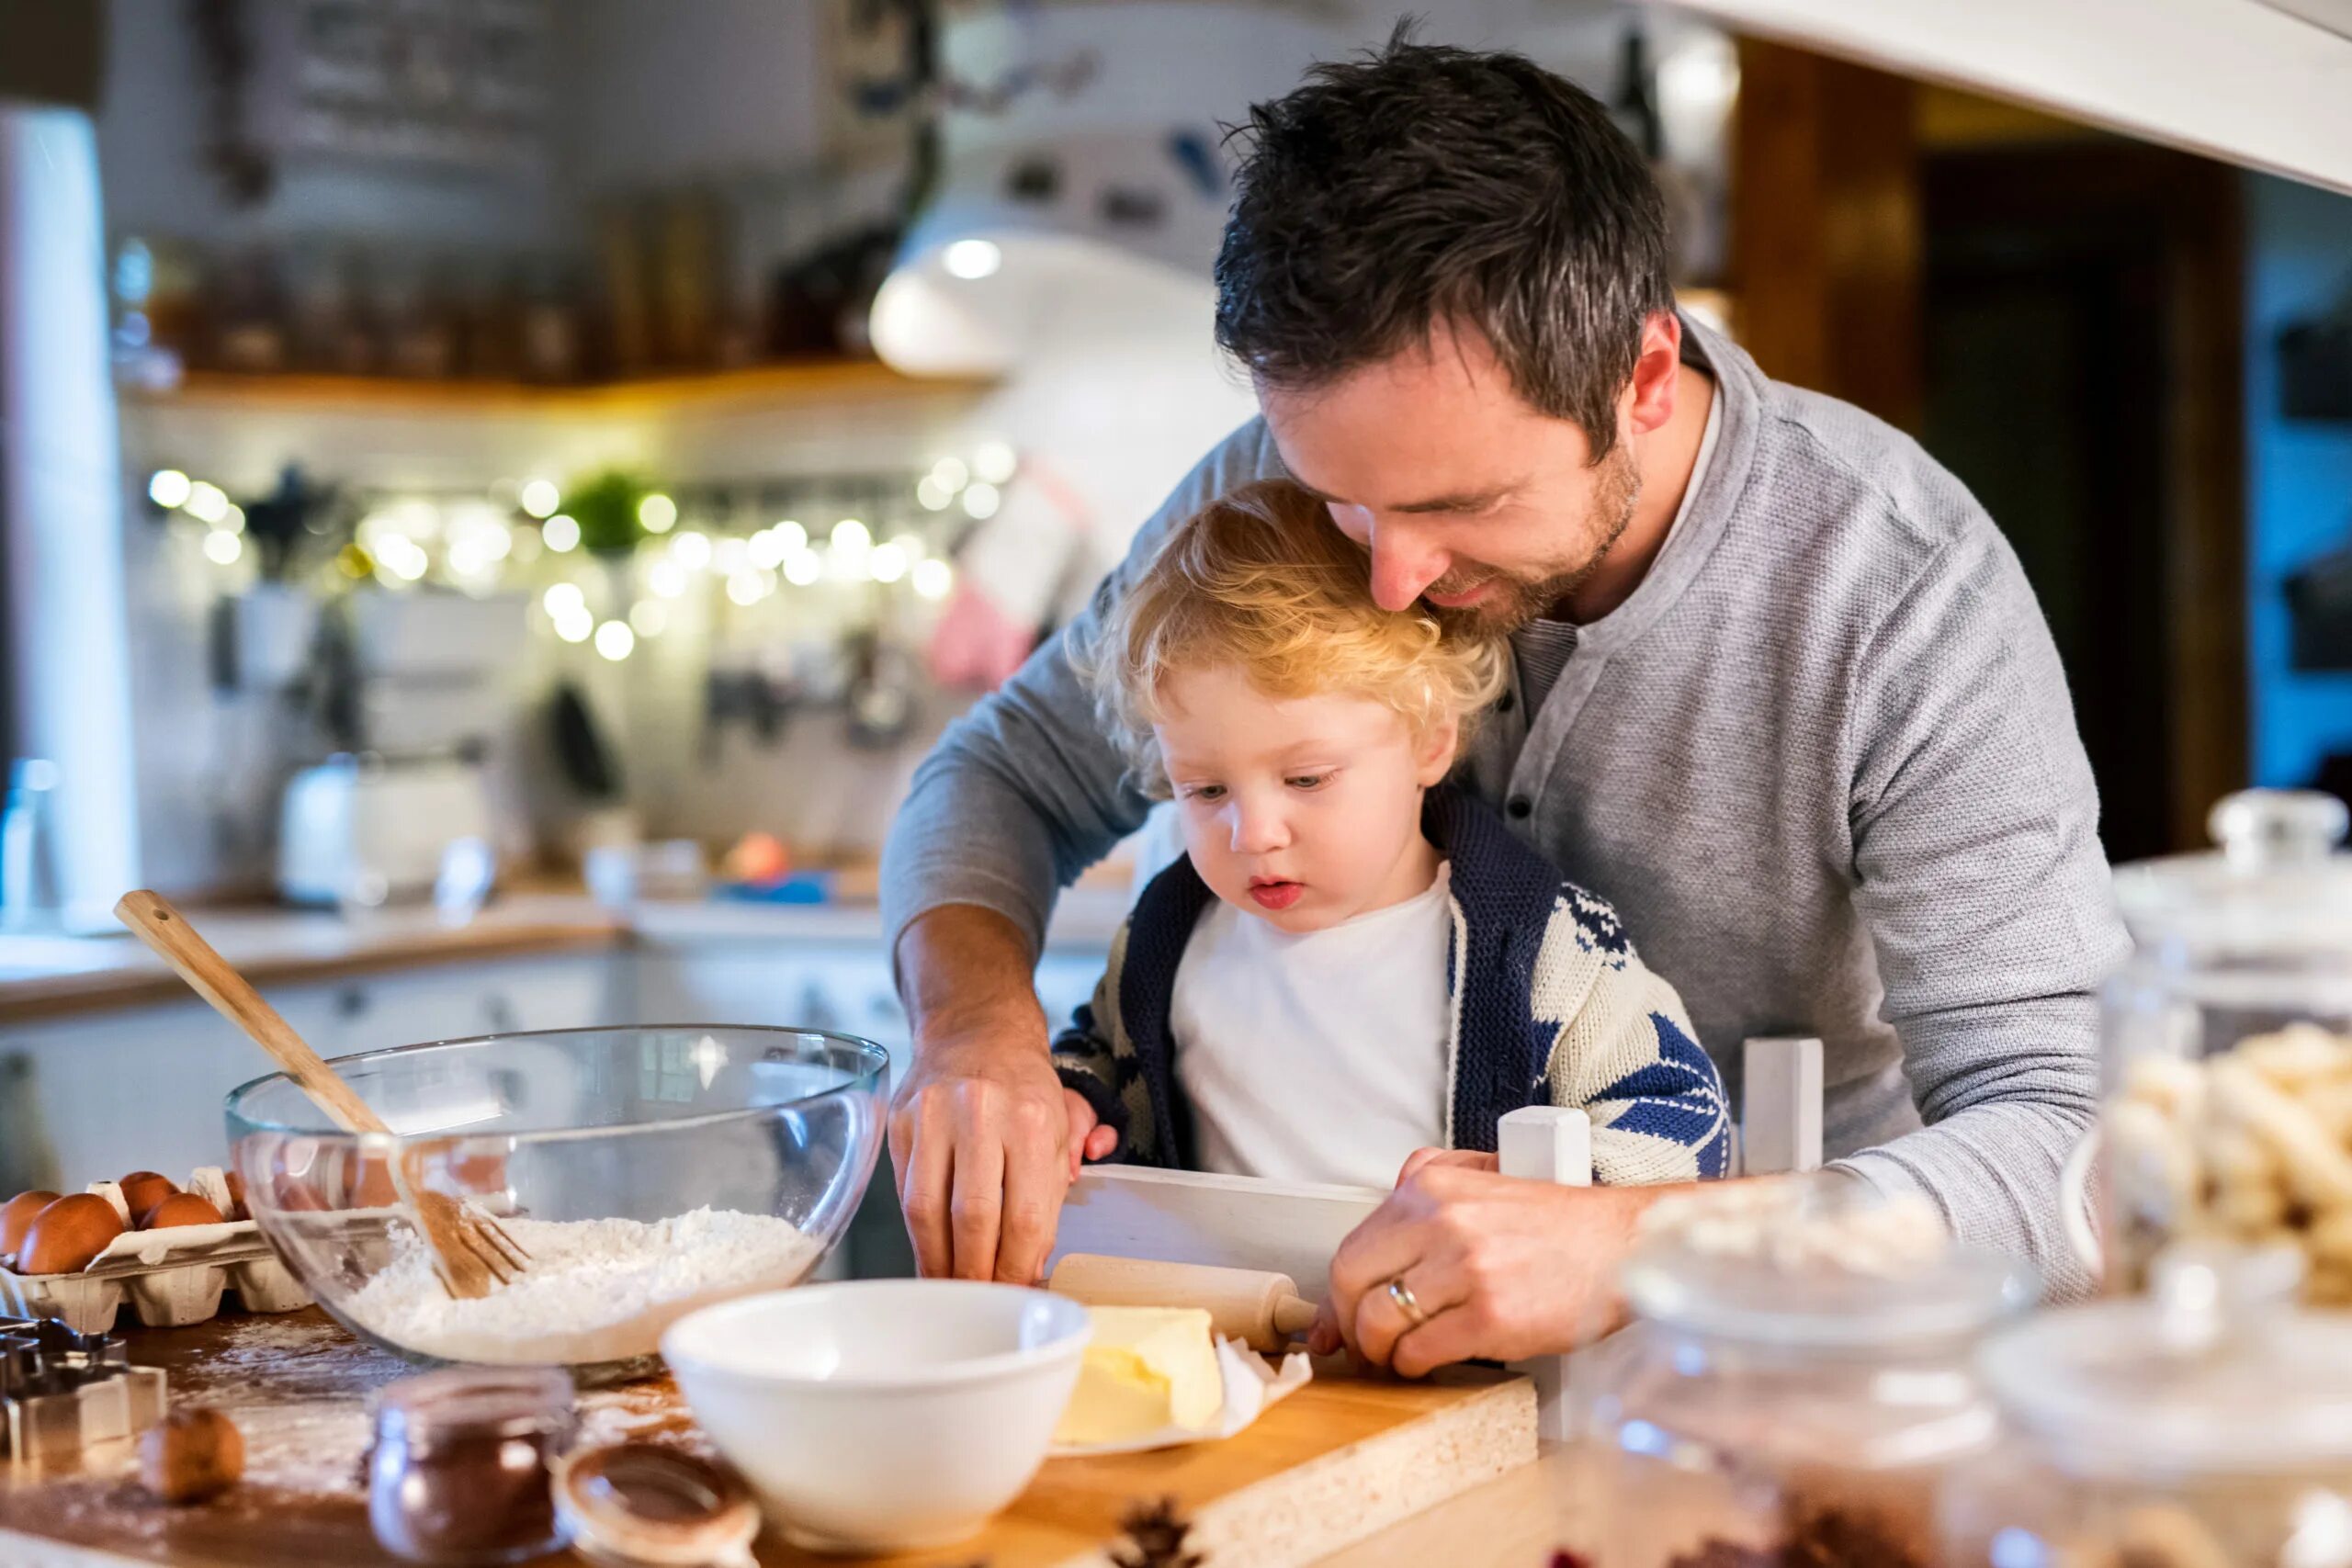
x: 606, y: 509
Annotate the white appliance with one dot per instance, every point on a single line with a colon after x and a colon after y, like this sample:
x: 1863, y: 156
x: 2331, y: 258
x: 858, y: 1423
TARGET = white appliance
x: 364, y: 831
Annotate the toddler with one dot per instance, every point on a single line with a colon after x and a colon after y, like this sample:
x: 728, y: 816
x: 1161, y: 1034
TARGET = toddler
x: 1354, y: 959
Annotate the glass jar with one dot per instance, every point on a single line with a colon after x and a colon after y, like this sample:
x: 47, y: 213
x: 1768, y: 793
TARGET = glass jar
x: 2199, y: 1427
x: 459, y: 1476
x: 1790, y: 1400
x: 2228, y: 1047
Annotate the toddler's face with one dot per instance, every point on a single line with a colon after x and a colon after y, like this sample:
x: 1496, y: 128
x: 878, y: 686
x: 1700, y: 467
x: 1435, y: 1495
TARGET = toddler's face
x: 1304, y: 811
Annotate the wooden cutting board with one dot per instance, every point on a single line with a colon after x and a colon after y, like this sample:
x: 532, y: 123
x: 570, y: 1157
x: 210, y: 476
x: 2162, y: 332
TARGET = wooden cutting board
x: 1333, y: 1463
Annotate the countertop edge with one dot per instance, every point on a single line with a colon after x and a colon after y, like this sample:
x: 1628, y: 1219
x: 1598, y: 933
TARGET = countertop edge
x: 39, y: 1551
x: 272, y: 947
x: 38, y: 999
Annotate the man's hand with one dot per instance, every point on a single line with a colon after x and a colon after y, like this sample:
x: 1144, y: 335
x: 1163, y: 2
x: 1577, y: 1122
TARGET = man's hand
x: 980, y: 1131
x: 977, y: 1135
x: 1500, y: 1267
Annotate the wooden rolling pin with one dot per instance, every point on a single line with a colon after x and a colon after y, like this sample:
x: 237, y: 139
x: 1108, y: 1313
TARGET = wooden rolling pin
x: 1263, y: 1309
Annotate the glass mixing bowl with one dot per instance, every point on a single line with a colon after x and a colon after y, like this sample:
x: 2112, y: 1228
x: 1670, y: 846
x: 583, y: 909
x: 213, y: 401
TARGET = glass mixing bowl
x: 647, y: 1171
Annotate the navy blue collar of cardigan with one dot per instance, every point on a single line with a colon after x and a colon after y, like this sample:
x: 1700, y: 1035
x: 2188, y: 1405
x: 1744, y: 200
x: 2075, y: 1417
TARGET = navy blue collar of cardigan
x: 1506, y: 893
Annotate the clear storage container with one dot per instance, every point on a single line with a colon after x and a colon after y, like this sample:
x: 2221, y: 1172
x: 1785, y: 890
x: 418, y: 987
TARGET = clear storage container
x: 2228, y: 1047
x: 1793, y: 1390
x: 2198, y: 1427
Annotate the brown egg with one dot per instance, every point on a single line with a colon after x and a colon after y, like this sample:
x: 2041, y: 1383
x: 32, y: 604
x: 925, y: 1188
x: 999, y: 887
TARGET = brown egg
x: 376, y: 1189
x: 17, y: 1218
x: 295, y: 1195
x: 479, y: 1173
x: 142, y: 1190
x: 180, y: 1209
x: 237, y: 1210
x: 68, y: 1234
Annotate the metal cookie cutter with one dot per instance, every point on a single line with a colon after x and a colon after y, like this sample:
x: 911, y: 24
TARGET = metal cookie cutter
x: 61, y: 1393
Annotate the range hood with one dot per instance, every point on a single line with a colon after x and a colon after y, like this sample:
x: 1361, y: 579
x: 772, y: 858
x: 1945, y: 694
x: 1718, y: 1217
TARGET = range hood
x: 1053, y: 240
x: 2267, y: 84
x: 1089, y: 211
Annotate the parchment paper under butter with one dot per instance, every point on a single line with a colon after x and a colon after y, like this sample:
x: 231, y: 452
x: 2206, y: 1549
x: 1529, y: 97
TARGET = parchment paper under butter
x: 1251, y: 1386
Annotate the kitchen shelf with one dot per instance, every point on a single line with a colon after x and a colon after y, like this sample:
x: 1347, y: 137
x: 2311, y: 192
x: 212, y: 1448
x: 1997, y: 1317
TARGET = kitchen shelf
x: 786, y: 383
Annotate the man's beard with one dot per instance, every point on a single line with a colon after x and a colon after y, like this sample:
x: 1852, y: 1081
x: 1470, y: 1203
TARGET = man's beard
x: 1511, y: 602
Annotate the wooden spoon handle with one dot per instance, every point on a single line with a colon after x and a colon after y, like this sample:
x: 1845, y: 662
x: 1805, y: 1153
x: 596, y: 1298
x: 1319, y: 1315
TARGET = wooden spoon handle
x: 166, y: 931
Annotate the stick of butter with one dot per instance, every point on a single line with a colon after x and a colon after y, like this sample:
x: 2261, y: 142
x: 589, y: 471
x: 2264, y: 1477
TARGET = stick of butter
x: 1146, y: 1368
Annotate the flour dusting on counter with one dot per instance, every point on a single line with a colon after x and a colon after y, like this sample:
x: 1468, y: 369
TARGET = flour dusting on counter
x: 596, y: 1290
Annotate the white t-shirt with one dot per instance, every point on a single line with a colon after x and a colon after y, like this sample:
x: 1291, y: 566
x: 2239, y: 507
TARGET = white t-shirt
x: 1316, y: 1057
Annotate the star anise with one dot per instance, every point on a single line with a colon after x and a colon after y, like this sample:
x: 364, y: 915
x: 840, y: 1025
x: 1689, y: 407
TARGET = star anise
x: 1155, y: 1533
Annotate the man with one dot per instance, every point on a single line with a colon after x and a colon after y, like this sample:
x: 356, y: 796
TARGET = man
x: 1782, y: 695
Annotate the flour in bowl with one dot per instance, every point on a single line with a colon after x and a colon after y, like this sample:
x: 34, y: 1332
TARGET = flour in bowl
x: 596, y: 1290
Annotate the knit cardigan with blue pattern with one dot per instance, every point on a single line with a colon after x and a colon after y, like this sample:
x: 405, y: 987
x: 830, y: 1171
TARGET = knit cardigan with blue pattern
x: 1551, y: 1005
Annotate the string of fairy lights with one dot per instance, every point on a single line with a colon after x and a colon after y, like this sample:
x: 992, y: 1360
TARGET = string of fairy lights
x: 715, y: 540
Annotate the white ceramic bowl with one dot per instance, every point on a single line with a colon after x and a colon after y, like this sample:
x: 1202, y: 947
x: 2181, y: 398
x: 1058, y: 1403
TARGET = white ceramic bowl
x: 886, y: 1415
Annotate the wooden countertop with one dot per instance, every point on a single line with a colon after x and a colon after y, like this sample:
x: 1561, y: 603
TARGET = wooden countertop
x: 297, y: 1386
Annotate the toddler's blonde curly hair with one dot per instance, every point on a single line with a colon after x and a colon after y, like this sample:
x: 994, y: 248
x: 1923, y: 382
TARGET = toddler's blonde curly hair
x: 1261, y: 579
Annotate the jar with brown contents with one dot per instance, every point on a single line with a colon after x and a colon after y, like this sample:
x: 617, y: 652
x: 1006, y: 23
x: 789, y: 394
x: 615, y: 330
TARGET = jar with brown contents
x: 1795, y: 1384
x: 458, y: 1477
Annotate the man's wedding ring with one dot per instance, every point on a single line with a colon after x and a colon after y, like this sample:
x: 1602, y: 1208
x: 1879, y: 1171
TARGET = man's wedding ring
x: 1402, y: 1294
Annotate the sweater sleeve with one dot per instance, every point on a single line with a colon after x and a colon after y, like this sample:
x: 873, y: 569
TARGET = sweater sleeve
x: 1096, y: 1061
x: 1979, y: 874
x: 1087, y: 1062
x: 1626, y: 1054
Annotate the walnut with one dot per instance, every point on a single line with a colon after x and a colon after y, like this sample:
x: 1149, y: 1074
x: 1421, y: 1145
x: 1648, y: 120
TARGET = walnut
x: 195, y: 1454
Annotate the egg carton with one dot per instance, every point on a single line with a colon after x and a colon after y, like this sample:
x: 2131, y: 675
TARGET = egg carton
x: 170, y: 1278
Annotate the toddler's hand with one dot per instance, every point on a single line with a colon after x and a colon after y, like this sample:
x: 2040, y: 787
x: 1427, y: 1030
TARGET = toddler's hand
x: 1469, y: 1159
x: 1089, y: 1138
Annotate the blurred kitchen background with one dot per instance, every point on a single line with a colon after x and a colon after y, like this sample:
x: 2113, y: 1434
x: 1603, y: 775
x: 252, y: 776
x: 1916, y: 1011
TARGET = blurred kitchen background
x: 526, y: 480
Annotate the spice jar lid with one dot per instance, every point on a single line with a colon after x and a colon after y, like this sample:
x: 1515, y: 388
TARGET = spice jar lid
x: 2277, y: 884
x: 498, y: 1402
x: 644, y: 1506
x: 2205, y: 1376
x: 1817, y: 1266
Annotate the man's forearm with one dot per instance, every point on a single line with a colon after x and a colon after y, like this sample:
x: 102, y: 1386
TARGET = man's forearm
x: 978, y: 1129
x: 964, y: 974
x: 1993, y: 1170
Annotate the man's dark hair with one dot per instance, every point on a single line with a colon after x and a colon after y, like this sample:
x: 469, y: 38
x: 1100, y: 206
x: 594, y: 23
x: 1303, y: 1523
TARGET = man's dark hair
x: 1423, y: 184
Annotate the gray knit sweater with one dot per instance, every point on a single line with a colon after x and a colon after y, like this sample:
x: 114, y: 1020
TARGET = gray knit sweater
x: 1822, y: 760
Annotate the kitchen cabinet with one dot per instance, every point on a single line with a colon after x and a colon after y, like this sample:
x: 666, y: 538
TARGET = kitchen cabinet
x: 140, y: 1087
x: 2259, y: 82
x: 457, y: 1001
x: 844, y: 986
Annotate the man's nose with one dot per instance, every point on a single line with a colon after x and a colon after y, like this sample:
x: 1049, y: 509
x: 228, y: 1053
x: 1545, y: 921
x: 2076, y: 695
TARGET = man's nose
x: 1405, y: 561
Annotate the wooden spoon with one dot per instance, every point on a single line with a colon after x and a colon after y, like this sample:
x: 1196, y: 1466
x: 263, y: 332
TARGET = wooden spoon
x: 470, y: 1249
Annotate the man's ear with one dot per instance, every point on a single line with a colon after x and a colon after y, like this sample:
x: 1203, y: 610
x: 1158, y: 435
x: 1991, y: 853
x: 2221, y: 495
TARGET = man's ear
x: 1433, y: 757
x: 1648, y: 402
